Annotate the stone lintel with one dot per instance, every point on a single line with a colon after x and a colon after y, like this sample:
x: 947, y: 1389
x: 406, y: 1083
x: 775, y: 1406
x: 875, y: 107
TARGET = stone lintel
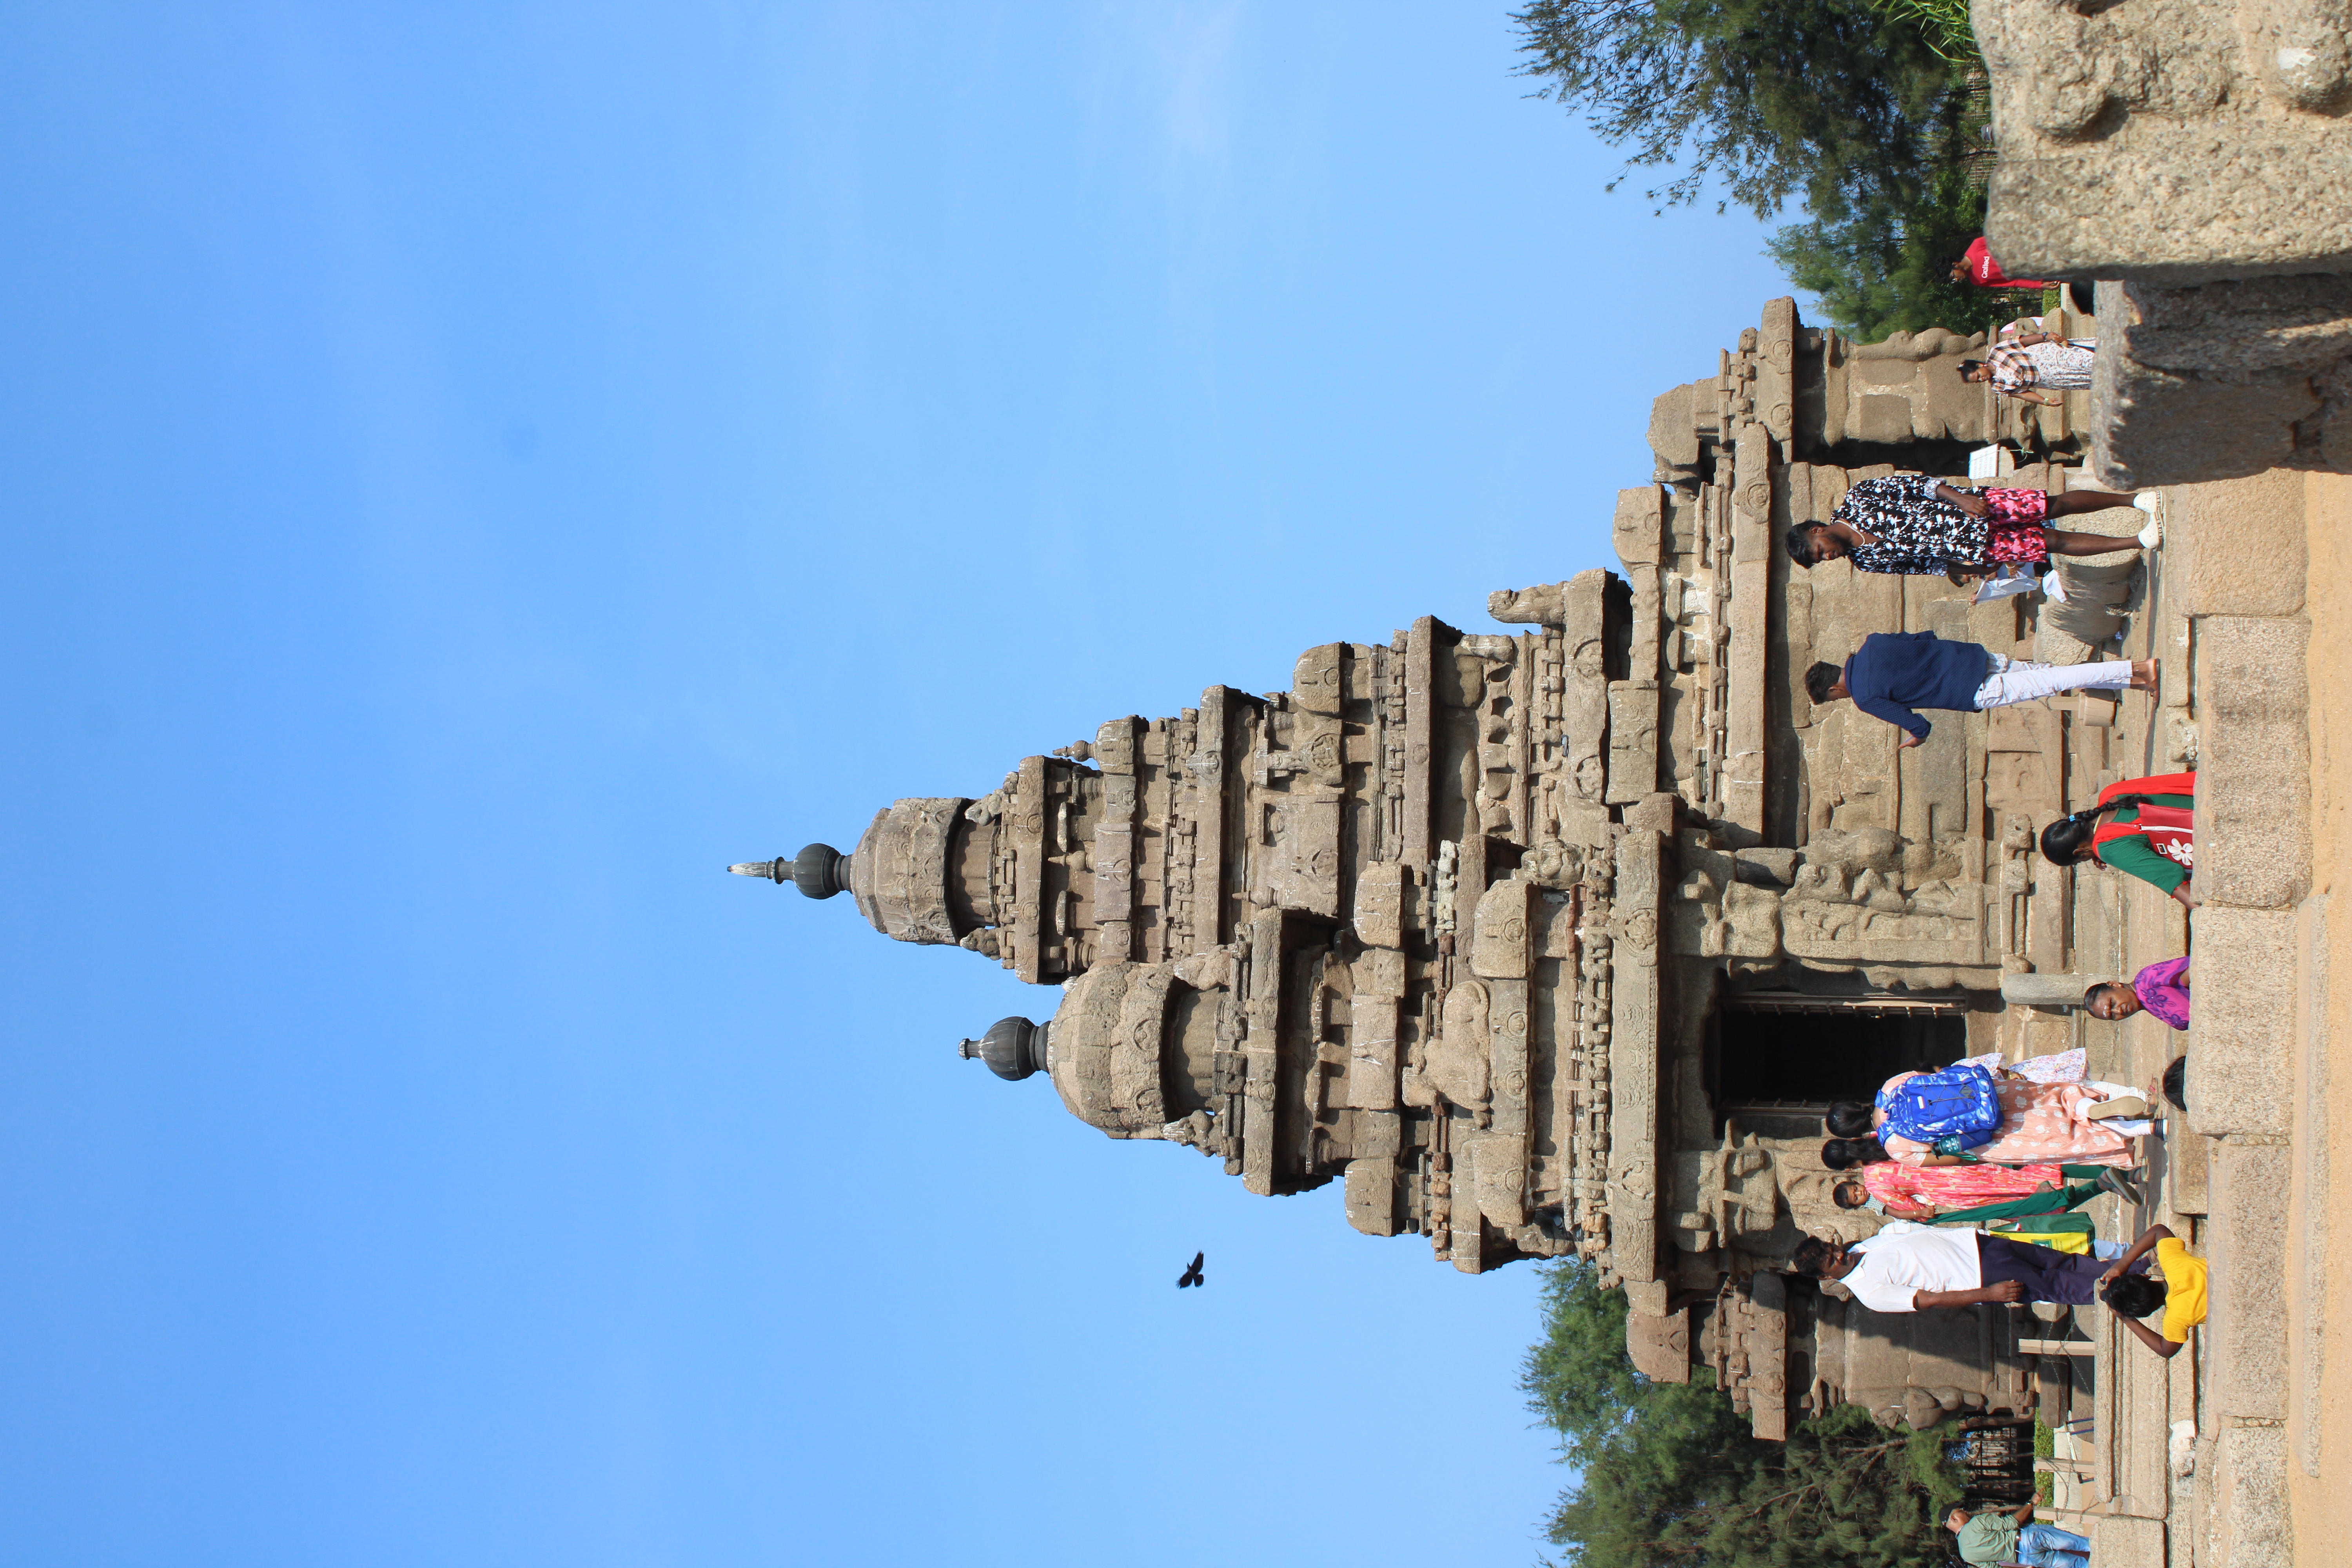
x: 1744, y: 764
x: 1633, y: 740
x: 1211, y: 764
x: 1633, y: 1058
x: 1027, y: 828
x: 1420, y: 735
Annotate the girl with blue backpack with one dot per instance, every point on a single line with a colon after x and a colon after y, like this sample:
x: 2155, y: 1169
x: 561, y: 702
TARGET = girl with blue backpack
x: 1964, y: 1113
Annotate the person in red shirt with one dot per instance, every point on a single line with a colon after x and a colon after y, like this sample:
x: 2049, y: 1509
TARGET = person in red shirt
x: 1977, y: 267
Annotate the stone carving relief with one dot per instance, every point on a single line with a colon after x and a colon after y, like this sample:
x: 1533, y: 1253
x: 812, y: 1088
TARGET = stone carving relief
x: 1458, y: 1062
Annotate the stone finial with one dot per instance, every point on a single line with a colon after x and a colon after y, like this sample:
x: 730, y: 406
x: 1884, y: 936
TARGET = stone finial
x: 819, y: 871
x: 1014, y: 1048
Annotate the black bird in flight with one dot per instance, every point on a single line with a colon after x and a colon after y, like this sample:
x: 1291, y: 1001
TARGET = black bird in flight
x: 1192, y: 1275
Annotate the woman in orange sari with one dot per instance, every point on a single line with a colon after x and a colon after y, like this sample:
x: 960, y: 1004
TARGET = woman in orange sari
x: 1924, y: 1192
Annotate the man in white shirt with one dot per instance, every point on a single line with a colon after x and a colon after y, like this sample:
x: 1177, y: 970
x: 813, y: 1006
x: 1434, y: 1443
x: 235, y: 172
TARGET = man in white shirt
x: 1909, y: 1267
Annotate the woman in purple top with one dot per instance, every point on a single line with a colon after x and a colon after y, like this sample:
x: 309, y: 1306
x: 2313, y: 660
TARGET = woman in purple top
x: 2160, y: 989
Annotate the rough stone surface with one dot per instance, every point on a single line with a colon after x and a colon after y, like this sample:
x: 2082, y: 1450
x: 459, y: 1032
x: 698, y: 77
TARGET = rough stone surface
x: 2253, y: 777
x: 2236, y: 548
x: 2245, y: 1328
x: 2168, y: 141
x: 2244, y: 1054
x: 2201, y: 155
x: 2246, y: 1481
x: 2222, y: 381
x: 2310, y: 1208
x: 2117, y: 1538
x: 2045, y: 990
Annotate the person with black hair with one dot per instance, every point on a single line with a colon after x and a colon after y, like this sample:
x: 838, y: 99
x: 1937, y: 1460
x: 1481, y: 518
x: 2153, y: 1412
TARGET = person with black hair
x: 1967, y: 1194
x: 1909, y: 1267
x: 2140, y: 826
x: 2041, y: 1124
x: 2175, y: 1083
x: 2161, y: 990
x: 2034, y: 366
x: 2010, y: 1535
x: 1894, y: 673
x: 2177, y: 1286
x: 1976, y: 266
x: 1918, y: 524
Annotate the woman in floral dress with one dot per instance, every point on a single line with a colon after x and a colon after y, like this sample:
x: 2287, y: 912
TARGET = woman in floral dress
x: 1917, y: 523
x: 2041, y: 1124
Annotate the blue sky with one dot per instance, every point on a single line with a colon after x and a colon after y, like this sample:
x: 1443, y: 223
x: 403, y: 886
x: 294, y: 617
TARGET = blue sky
x: 472, y: 471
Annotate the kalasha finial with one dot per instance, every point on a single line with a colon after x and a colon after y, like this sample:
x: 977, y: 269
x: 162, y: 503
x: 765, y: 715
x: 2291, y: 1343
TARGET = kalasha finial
x: 819, y: 871
x: 1012, y: 1048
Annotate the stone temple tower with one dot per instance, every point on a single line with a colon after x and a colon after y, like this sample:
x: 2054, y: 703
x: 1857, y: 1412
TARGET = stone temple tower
x: 1556, y: 942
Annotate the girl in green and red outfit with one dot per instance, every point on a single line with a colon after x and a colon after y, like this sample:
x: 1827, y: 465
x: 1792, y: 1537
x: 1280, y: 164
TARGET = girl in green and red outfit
x: 2141, y: 827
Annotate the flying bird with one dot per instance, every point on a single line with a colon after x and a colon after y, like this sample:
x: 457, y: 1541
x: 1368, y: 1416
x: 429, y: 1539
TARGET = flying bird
x: 1192, y: 1275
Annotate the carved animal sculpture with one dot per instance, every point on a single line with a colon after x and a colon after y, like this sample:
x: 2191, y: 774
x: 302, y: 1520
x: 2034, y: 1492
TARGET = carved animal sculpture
x: 1192, y: 1275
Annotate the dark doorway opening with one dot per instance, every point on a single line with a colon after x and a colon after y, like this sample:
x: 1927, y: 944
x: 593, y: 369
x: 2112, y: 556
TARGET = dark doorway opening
x: 1793, y: 1055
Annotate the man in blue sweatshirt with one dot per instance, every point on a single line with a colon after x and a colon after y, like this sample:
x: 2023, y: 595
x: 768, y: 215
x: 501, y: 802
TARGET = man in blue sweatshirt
x: 1895, y: 673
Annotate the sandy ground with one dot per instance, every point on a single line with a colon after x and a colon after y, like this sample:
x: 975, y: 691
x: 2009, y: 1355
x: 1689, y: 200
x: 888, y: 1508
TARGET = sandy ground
x: 2322, y: 1505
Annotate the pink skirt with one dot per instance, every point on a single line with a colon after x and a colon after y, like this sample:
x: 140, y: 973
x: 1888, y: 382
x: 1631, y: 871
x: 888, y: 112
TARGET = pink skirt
x: 2006, y: 541
x: 2013, y: 524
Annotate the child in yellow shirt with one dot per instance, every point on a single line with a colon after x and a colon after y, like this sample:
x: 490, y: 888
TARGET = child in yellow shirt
x: 2180, y: 1290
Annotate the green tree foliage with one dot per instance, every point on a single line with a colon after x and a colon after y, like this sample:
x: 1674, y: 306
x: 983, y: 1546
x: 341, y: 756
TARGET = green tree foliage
x: 1832, y: 101
x: 1945, y: 26
x: 1872, y: 113
x: 1670, y: 1475
x: 1885, y: 266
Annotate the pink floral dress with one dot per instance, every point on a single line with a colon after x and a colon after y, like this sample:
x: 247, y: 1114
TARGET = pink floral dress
x: 2041, y: 1124
x: 1915, y: 1192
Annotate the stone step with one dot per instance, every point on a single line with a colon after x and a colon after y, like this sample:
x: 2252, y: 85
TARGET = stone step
x: 2256, y: 1048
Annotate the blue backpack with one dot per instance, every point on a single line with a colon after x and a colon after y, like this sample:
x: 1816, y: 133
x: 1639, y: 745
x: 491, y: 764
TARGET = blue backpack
x: 1959, y: 1103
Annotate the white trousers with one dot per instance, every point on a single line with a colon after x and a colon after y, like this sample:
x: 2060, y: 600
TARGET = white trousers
x: 2022, y: 680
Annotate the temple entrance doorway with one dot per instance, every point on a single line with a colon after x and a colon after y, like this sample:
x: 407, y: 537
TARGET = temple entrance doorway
x: 1789, y: 1054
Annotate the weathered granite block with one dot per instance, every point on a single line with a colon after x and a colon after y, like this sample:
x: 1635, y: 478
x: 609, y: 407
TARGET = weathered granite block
x: 2235, y: 548
x: 2241, y: 1033
x: 2169, y: 140
x: 2253, y: 781
x: 2245, y: 1326
x: 2117, y: 1538
x: 2222, y: 381
x: 2247, y: 1484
